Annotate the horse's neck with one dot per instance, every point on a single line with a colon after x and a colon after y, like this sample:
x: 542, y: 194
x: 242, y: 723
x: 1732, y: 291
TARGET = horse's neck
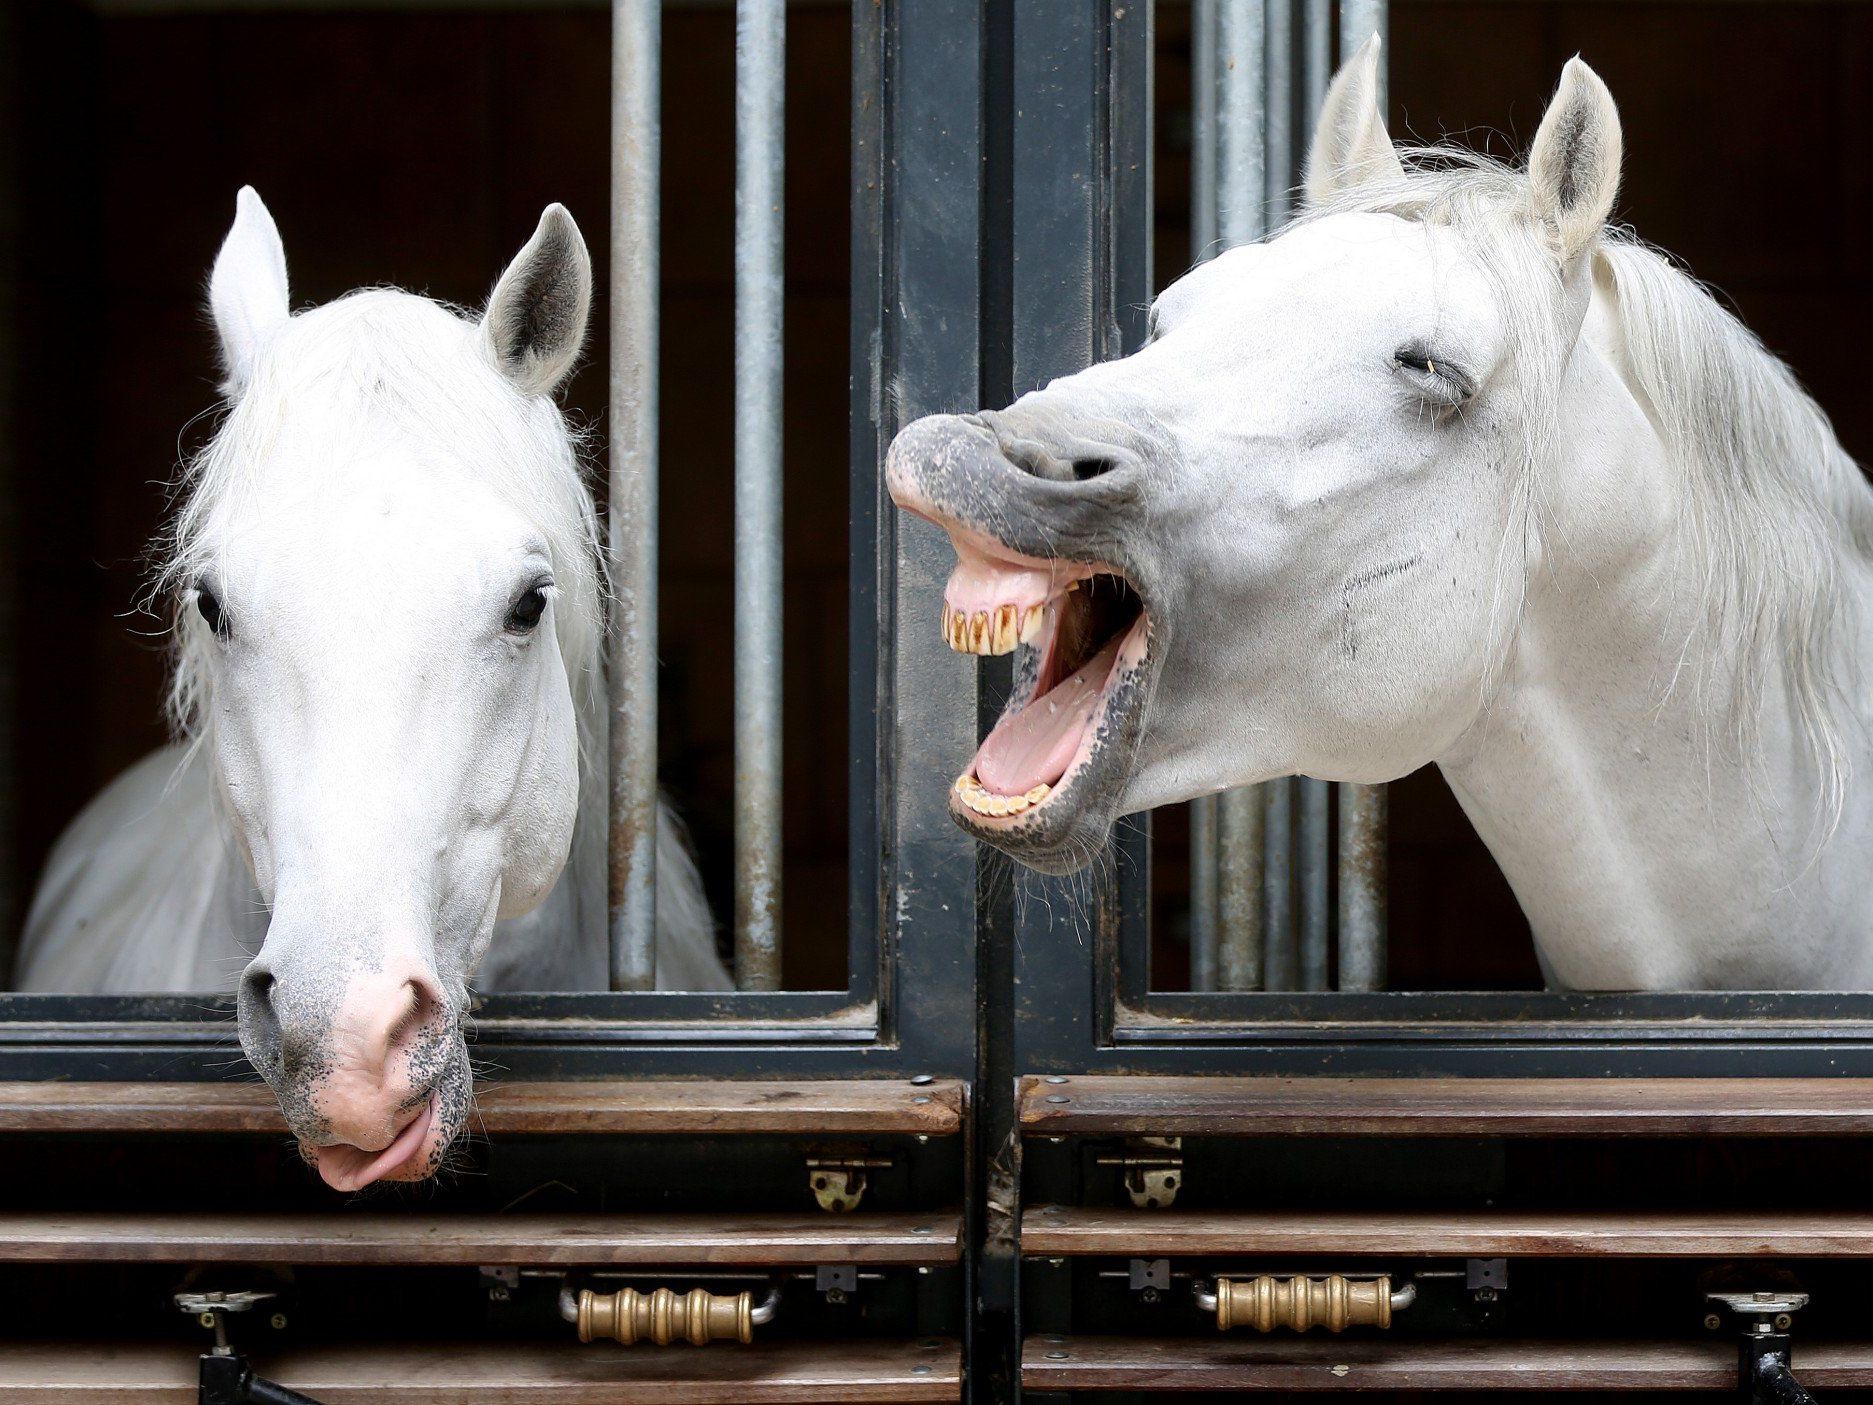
x: 1647, y: 852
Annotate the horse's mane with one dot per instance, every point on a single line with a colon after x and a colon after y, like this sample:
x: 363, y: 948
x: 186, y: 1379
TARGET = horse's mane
x: 1774, y: 509
x: 380, y: 365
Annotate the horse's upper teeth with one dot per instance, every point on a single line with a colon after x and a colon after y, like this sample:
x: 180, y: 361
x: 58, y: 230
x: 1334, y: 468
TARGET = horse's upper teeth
x: 994, y: 631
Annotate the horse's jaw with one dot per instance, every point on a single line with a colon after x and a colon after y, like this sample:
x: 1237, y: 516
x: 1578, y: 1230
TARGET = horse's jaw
x: 1048, y: 781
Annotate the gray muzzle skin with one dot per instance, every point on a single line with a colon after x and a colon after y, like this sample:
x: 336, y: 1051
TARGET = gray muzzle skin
x: 1045, y: 488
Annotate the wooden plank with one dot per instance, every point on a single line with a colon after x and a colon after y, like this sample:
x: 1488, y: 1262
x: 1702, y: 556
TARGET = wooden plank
x: 522, y: 1373
x: 1069, y: 1230
x: 1447, y: 1107
x: 665, y: 1107
x: 763, y: 1239
x: 1388, y: 1363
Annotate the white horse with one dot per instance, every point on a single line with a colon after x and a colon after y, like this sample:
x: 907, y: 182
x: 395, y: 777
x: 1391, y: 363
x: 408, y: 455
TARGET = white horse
x: 1446, y: 472
x: 389, y: 674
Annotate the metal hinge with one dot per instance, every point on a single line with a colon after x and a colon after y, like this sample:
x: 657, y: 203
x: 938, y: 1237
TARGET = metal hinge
x: 1154, y: 1170
x: 838, y: 1182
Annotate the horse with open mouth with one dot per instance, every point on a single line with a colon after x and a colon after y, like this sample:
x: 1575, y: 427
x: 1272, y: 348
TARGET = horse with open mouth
x: 389, y: 634
x: 1447, y: 471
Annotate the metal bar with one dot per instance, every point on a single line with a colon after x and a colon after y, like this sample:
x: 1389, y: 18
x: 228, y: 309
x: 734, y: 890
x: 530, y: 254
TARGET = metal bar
x: 1362, y: 887
x: 1241, y: 186
x: 1317, y: 47
x: 1359, y: 21
x: 1205, y: 926
x: 1241, y: 174
x: 1279, y: 122
x: 1315, y: 847
x: 1205, y: 893
x: 1281, y: 966
x: 1240, y: 871
x: 760, y: 291
x: 636, y: 33
x: 1203, y: 36
x: 1363, y: 808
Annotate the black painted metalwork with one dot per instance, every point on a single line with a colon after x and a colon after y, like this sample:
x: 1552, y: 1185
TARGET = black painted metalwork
x: 229, y: 1380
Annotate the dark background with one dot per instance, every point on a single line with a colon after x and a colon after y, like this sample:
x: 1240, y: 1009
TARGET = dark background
x: 418, y: 148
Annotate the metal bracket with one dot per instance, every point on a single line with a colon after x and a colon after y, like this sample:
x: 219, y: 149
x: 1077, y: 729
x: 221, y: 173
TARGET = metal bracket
x: 1150, y: 1275
x: 1154, y: 1170
x: 1487, y: 1279
x: 839, y: 1182
x: 837, y: 1281
x: 225, y: 1378
x: 500, y: 1282
x: 1764, y: 1372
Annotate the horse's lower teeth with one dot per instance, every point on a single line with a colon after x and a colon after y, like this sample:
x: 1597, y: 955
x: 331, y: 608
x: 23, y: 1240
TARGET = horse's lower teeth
x: 986, y: 802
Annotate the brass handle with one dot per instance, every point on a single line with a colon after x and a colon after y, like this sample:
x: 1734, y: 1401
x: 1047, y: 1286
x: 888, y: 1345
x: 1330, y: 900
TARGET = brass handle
x: 1334, y: 1302
x: 663, y: 1316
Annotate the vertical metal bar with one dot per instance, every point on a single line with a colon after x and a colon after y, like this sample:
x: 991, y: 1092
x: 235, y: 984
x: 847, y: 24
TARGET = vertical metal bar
x: 1363, y: 826
x: 1281, y: 965
x: 636, y: 33
x: 760, y: 291
x: 1203, y: 77
x: 1241, y: 187
x: 1240, y: 825
x: 1205, y: 893
x: 1241, y: 175
x: 1317, y: 46
x: 1362, y: 887
x: 1204, y: 919
x: 1280, y: 120
x: 1316, y: 846
x: 1359, y: 21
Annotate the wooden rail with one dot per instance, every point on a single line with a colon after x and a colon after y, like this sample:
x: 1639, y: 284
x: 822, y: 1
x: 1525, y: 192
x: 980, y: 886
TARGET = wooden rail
x: 563, y: 1373
x: 1056, y: 1230
x: 541, y: 1240
x: 635, y: 1108
x: 1366, y: 1364
x: 1447, y: 1107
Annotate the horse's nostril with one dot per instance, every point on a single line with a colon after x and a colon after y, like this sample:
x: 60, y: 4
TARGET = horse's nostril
x: 260, y: 1022
x: 1084, y: 469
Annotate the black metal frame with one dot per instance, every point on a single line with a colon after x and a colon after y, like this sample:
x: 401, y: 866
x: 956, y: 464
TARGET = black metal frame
x: 917, y: 114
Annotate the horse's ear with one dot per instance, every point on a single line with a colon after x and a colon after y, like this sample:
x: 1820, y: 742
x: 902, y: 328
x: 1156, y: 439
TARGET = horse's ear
x: 535, y: 322
x: 247, y: 290
x: 1351, y: 145
x: 1573, y: 167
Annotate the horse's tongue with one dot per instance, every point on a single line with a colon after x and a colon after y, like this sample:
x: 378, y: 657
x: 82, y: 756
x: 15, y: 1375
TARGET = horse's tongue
x: 1037, y: 744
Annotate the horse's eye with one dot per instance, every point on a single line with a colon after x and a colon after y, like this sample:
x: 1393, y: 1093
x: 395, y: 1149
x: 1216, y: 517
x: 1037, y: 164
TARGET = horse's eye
x: 526, y: 611
x: 208, y: 606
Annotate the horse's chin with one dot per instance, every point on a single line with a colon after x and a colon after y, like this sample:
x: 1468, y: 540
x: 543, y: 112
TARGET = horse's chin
x: 418, y: 1150
x: 1046, y: 785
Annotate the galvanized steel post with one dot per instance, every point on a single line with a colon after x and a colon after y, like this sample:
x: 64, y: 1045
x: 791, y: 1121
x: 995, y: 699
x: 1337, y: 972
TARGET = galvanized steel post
x: 1204, y: 896
x: 1240, y: 959
x: 631, y: 524
x: 760, y: 166
x: 1363, y: 828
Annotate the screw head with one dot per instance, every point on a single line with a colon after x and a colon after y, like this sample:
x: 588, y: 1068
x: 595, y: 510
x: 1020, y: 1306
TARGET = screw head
x: 1783, y: 1321
x: 923, y: 1080
x: 1054, y: 1078
x: 1058, y: 1098
x: 1056, y: 1356
x: 920, y: 1370
x: 1712, y: 1322
x: 277, y: 1322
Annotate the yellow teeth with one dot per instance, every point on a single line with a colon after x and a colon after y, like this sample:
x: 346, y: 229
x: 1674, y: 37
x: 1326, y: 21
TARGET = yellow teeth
x: 987, y: 802
x: 991, y: 632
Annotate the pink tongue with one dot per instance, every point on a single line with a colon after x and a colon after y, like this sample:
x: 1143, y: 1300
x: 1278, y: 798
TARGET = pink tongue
x: 1036, y: 745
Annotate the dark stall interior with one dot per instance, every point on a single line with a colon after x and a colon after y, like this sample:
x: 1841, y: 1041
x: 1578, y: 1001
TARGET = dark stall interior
x: 418, y: 146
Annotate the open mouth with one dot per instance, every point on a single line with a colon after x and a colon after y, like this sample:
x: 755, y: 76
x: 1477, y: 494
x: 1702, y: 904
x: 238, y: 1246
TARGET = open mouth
x: 1084, y: 629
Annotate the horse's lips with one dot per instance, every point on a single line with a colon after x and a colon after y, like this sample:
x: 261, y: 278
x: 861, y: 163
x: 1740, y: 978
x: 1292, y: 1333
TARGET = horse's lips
x: 1037, y: 744
x: 347, y: 1168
